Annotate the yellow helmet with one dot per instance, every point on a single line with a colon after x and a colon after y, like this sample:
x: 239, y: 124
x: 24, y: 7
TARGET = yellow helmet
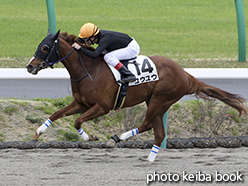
x: 88, y: 30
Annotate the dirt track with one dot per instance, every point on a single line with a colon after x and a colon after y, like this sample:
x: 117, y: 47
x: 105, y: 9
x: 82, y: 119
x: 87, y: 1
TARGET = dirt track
x: 119, y: 166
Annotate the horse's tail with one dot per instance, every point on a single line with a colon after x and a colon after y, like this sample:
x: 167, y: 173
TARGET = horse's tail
x: 204, y: 91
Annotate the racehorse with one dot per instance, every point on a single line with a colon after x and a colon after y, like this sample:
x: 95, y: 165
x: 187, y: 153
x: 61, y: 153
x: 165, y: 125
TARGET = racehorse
x: 94, y: 88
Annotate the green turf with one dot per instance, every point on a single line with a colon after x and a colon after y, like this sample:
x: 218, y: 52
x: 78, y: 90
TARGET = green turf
x: 179, y: 29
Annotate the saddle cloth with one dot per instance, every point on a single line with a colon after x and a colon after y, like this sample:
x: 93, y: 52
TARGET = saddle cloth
x: 142, y: 67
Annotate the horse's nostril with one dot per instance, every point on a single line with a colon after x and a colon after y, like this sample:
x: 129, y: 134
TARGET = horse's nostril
x: 29, y: 66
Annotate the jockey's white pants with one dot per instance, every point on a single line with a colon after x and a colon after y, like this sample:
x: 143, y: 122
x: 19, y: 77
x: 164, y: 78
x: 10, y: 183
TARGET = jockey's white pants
x: 131, y: 51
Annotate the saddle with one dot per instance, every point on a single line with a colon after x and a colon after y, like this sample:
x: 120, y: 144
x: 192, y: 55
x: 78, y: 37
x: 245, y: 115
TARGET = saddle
x: 142, y: 67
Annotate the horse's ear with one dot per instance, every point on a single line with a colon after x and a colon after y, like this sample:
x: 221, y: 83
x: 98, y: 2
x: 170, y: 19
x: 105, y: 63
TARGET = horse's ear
x: 48, y: 31
x: 56, y: 35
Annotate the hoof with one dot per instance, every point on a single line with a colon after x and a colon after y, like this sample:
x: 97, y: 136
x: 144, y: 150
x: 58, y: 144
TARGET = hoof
x: 111, y: 143
x: 93, y: 138
x: 34, y: 140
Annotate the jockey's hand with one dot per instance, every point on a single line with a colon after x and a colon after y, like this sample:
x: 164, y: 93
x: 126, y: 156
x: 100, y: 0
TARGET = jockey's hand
x: 76, y: 46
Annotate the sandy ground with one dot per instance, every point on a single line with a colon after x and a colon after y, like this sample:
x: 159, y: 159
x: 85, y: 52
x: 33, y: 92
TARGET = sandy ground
x: 119, y: 166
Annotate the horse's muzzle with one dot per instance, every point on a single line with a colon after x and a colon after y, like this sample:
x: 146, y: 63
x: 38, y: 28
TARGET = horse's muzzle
x: 29, y: 68
x: 32, y: 69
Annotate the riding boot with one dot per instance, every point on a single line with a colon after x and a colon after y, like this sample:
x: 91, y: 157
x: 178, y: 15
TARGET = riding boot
x: 127, y: 75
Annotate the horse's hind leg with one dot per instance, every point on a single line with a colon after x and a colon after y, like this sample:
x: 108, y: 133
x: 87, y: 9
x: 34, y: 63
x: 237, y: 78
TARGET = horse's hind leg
x: 159, y: 134
x: 153, y: 119
x: 145, y: 126
x: 154, y: 107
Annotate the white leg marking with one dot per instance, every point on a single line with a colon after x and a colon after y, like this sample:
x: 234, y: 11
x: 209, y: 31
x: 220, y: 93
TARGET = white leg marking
x: 129, y: 134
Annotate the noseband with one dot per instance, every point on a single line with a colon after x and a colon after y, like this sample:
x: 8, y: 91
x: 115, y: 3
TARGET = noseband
x: 51, y: 59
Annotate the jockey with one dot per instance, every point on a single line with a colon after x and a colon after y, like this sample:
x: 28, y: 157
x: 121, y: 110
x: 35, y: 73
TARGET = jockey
x: 115, y: 46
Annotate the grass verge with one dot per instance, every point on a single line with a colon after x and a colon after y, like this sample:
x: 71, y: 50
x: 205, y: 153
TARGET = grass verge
x: 185, y: 119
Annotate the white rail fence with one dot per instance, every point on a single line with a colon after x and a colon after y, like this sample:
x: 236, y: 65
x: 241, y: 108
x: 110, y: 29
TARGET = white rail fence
x: 61, y: 73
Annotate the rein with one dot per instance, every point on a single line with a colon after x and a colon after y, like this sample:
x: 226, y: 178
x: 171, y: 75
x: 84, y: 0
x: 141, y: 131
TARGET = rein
x: 64, y: 57
x: 44, y: 64
x: 55, y: 51
x: 87, y: 72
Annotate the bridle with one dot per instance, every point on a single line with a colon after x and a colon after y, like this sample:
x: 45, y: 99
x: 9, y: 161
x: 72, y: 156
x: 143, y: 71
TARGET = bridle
x: 48, y: 62
x: 54, y: 50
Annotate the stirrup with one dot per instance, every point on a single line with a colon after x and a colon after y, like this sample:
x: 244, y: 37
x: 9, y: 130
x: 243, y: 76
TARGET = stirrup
x: 128, y: 79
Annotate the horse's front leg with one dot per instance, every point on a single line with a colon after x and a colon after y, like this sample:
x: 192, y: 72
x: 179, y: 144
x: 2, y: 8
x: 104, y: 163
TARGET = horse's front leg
x: 72, y: 108
x: 93, y: 112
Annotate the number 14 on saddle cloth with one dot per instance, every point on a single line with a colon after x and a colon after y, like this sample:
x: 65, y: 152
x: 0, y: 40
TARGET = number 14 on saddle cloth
x: 142, y: 67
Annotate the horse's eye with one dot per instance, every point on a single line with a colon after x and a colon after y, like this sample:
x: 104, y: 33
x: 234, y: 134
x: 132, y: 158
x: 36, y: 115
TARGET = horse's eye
x: 45, y: 47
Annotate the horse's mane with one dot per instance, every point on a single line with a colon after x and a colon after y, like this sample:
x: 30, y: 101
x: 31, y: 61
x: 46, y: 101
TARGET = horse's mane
x: 70, y: 39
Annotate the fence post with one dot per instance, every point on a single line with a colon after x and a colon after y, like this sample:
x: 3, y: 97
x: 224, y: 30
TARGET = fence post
x: 163, y: 145
x: 241, y: 30
x: 51, y: 16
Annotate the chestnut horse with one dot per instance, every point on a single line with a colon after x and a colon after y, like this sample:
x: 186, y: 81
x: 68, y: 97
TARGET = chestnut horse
x: 94, y: 88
